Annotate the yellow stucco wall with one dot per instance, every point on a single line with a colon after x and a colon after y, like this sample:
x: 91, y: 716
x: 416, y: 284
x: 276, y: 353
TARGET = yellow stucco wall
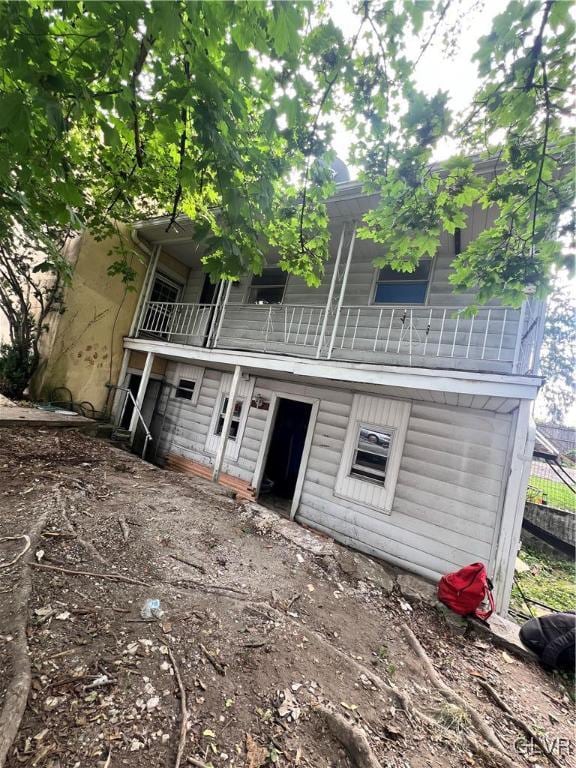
x: 83, y: 349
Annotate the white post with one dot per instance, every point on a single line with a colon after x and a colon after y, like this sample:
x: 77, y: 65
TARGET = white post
x: 222, y: 310
x: 518, y: 346
x: 331, y: 292
x: 342, y: 291
x: 219, y: 460
x: 141, y: 394
x: 513, y: 506
x: 117, y: 399
x: 146, y: 291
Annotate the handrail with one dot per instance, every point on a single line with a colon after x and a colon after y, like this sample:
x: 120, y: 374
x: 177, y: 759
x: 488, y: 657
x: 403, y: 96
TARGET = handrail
x: 148, y: 437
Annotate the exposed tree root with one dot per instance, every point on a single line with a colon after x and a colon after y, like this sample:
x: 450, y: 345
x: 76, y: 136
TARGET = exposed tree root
x: 493, y: 756
x: 352, y: 738
x: 519, y: 723
x: 19, y: 686
x: 107, y: 576
x: 88, y: 546
x: 183, y: 710
x: 20, y: 554
x: 483, y: 729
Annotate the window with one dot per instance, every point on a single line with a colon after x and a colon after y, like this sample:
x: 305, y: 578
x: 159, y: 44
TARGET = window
x: 269, y: 287
x: 402, y: 287
x: 185, y: 389
x: 234, y: 424
x: 370, y: 457
x: 372, y: 452
x: 164, y: 290
x: 186, y: 381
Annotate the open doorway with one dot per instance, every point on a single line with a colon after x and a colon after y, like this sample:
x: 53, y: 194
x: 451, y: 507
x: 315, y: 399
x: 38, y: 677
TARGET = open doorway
x: 286, y: 448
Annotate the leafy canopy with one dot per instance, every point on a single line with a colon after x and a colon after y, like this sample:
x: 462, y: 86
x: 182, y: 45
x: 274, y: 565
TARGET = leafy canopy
x: 225, y: 111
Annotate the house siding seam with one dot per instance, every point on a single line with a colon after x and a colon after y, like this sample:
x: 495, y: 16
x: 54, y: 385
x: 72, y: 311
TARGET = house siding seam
x: 447, y: 500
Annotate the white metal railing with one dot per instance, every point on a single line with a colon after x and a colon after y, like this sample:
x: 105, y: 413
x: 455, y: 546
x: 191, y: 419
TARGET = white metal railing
x: 428, y: 332
x: 530, y: 337
x: 272, y: 327
x: 418, y: 335
x: 184, y: 323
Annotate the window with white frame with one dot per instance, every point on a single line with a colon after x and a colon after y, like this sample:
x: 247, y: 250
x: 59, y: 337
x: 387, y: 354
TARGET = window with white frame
x: 394, y: 287
x: 269, y: 287
x: 236, y: 416
x: 186, y: 381
x: 239, y: 415
x: 185, y: 389
x: 372, y: 451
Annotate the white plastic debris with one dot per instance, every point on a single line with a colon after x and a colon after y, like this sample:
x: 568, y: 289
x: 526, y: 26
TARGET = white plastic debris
x: 151, y: 609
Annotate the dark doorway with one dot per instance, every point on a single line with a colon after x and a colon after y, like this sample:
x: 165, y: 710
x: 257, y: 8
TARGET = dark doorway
x: 133, y: 386
x: 286, y: 448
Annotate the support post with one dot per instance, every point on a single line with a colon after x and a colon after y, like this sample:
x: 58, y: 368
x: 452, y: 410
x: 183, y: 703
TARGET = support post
x: 141, y: 394
x: 146, y: 291
x: 519, y: 335
x: 342, y: 291
x: 221, y: 316
x: 221, y: 452
x: 513, y: 506
x: 331, y: 293
x: 119, y: 396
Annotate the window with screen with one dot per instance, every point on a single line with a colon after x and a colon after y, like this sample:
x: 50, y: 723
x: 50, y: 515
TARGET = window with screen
x: 269, y: 287
x: 234, y: 424
x: 371, y: 453
x: 185, y: 389
x: 403, y: 287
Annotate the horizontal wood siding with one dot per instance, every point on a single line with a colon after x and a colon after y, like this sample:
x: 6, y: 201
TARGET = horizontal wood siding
x: 446, y: 504
x: 447, y: 498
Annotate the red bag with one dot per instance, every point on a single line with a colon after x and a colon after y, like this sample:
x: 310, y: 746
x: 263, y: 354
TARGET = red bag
x: 465, y: 590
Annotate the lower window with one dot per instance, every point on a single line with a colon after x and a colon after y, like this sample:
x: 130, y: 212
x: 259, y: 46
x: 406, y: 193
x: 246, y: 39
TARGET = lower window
x: 234, y: 424
x: 370, y: 457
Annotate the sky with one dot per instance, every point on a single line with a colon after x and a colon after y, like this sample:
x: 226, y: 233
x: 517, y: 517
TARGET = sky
x: 454, y: 73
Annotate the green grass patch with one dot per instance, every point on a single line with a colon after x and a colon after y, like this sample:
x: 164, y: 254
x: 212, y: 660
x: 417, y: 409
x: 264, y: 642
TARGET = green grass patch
x: 549, y: 580
x: 556, y: 493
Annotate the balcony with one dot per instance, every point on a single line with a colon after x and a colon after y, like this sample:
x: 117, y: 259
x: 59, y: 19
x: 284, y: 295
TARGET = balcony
x: 496, y: 339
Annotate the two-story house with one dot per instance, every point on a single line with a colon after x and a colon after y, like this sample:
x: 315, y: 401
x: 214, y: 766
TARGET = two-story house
x: 371, y: 408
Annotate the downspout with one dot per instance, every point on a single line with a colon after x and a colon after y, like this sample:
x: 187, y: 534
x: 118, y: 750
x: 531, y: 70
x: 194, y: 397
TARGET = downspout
x: 342, y: 291
x: 513, y: 507
x: 331, y: 292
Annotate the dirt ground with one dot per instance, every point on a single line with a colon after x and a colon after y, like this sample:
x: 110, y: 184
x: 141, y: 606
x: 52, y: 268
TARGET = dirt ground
x: 263, y: 624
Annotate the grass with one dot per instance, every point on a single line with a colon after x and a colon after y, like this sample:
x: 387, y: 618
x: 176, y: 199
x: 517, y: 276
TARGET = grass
x: 557, y: 494
x: 550, y: 580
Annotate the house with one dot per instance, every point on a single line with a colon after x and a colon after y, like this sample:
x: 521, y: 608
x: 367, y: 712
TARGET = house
x: 370, y: 408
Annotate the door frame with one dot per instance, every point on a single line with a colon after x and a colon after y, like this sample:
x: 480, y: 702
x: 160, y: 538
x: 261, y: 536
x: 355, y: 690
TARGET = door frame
x: 265, y: 444
x: 134, y: 372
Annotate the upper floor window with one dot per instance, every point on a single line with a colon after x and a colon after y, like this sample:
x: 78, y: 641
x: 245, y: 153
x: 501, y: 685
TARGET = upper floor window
x: 403, y: 287
x: 165, y: 290
x: 269, y: 287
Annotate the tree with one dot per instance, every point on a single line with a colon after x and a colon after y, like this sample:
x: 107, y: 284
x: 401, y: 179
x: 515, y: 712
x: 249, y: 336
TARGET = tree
x: 558, y: 357
x: 225, y: 111
x: 30, y: 290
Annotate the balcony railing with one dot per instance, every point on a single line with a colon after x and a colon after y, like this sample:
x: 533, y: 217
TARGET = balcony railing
x: 494, y: 339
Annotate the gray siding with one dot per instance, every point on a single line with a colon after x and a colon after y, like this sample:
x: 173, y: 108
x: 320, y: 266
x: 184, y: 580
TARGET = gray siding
x: 447, y: 502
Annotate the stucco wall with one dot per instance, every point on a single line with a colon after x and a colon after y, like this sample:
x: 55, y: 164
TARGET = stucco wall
x: 83, y: 349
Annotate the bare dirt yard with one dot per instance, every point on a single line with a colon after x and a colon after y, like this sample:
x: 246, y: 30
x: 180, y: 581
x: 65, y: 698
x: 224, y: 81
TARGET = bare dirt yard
x: 276, y: 647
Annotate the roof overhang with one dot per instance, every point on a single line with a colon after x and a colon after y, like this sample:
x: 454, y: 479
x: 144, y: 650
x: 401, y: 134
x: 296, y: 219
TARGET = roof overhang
x: 462, y: 382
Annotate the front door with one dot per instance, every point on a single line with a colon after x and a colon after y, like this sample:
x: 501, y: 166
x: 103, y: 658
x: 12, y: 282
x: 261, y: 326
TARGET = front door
x: 285, y: 452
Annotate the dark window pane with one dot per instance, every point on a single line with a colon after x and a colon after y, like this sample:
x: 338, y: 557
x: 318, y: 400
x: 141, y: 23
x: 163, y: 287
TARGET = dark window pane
x: 270, y: 295
x: 185, y: 389
x: 421, y: 272
x: 366, y: 474
x: 162, y: 290
x: 370, y: 460
x: 270, y: 276
x: 400, y: 293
